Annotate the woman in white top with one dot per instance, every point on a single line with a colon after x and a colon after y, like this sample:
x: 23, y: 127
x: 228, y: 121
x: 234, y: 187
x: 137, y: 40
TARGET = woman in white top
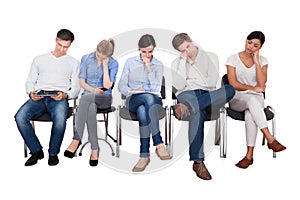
x: 247, y: 73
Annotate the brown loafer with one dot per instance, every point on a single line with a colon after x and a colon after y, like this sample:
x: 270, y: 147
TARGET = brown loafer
x: 201, y: 171
x: 181, y: 111
x: 244, y: 163
x: 162, y: 153
x: 141, y: 165
x: 276, y: 146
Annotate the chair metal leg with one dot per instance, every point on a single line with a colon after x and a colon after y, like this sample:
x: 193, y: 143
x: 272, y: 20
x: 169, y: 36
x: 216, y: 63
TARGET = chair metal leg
x: 217, y: 132
x: 118, y: 132
x: 112, y: 150
x: 274, y: 128
x: 81, y: 149
x: 168, y: 135
x: 171, y: 131
x: 25, y: 150
x: 223, y: 133
x: 166, y: 125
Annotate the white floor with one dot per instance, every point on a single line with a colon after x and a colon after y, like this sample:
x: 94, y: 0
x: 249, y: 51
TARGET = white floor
x: 74, y: 178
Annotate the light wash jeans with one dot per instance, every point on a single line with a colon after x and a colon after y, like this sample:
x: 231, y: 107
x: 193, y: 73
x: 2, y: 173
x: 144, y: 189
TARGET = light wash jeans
x: 198, y: 101
x: 146, y: 107
x: 32, y: 109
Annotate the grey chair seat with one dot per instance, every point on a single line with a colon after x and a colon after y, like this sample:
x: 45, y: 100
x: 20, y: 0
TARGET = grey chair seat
x: 126, y: 114
x: 241, y: 115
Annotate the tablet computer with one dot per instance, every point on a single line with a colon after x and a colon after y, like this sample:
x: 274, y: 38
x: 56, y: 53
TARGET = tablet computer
x: 46, y: 93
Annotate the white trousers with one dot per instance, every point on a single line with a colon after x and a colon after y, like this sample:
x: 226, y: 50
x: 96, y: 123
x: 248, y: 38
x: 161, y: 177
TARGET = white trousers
x: 253, y: 105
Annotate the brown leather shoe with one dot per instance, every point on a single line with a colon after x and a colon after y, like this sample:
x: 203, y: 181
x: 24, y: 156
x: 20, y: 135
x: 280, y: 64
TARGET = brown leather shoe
x: 181, y: 111
x: 244, y: 163
x: 276, y: 146
x: 201, y: 171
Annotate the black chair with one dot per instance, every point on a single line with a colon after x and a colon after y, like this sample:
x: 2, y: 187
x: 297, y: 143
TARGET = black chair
x: 46, y: 117
x: 105, y: 113
x: 125, y: 114
x: 269, y: 112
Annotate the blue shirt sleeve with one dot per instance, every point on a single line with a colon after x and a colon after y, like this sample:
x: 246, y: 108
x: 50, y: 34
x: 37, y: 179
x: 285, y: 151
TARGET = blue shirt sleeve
x: 83, y: 67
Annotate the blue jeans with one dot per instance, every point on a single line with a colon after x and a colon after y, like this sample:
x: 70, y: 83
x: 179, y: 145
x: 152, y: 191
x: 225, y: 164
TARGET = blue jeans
x: 32, y: 109
x: 198, y: 101
x: 146, y: 107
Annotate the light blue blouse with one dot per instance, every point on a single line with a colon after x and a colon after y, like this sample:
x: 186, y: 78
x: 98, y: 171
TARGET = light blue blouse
x: 93, y: 75
x: 136, y: 75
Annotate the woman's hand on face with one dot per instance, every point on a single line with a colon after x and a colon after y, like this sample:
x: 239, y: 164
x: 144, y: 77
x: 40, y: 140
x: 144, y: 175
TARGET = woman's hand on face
x: 105, y: 62
x: 146, y: 61
x: 256, y: 57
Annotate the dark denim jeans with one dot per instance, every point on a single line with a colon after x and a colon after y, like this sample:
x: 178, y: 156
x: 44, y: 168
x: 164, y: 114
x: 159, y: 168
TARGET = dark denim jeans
x: 198, y: 101
x: 145, y: 105
x: 31, y: 109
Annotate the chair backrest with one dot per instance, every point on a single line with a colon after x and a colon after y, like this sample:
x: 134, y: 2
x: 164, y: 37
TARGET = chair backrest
x: 225, y: 80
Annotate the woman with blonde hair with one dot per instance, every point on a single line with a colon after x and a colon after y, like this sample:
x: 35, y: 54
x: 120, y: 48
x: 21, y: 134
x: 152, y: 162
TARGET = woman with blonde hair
x: 97, y: 77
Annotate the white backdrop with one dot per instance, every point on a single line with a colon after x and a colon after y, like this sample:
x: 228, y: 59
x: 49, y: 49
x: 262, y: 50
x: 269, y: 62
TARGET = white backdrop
x: 28, y: 29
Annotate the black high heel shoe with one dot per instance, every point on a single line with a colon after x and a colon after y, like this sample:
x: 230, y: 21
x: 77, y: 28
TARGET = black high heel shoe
x: 70, y: 154
x: 94, y: 163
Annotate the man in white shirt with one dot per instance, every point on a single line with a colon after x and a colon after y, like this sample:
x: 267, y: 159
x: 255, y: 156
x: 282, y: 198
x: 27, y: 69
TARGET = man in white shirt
x: 54, y: 72
x: 194, y: 76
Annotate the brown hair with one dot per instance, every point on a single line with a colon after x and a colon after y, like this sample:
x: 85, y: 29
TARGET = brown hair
x: 179, y: 39
x: 146, y: 41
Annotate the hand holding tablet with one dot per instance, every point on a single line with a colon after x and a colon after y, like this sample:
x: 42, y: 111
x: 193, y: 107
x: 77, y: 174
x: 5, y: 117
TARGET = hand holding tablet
x: 46, y: 93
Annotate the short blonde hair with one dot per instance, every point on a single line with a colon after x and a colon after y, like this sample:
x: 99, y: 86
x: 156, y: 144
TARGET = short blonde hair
x: 106, y: 47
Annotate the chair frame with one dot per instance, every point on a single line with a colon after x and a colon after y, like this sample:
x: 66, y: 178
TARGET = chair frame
x: 105, y: 113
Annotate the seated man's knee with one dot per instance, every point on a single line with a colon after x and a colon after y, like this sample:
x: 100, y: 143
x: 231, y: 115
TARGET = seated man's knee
x: 193, y: 109
x: 21, y: 117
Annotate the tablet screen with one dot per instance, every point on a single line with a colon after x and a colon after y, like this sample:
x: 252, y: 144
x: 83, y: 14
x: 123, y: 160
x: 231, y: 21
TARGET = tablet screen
x: 46, y: 93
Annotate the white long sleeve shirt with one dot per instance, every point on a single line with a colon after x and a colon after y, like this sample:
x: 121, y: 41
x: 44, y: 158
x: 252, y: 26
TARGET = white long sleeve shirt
x: 51, y: 73
x: 202, y: 74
